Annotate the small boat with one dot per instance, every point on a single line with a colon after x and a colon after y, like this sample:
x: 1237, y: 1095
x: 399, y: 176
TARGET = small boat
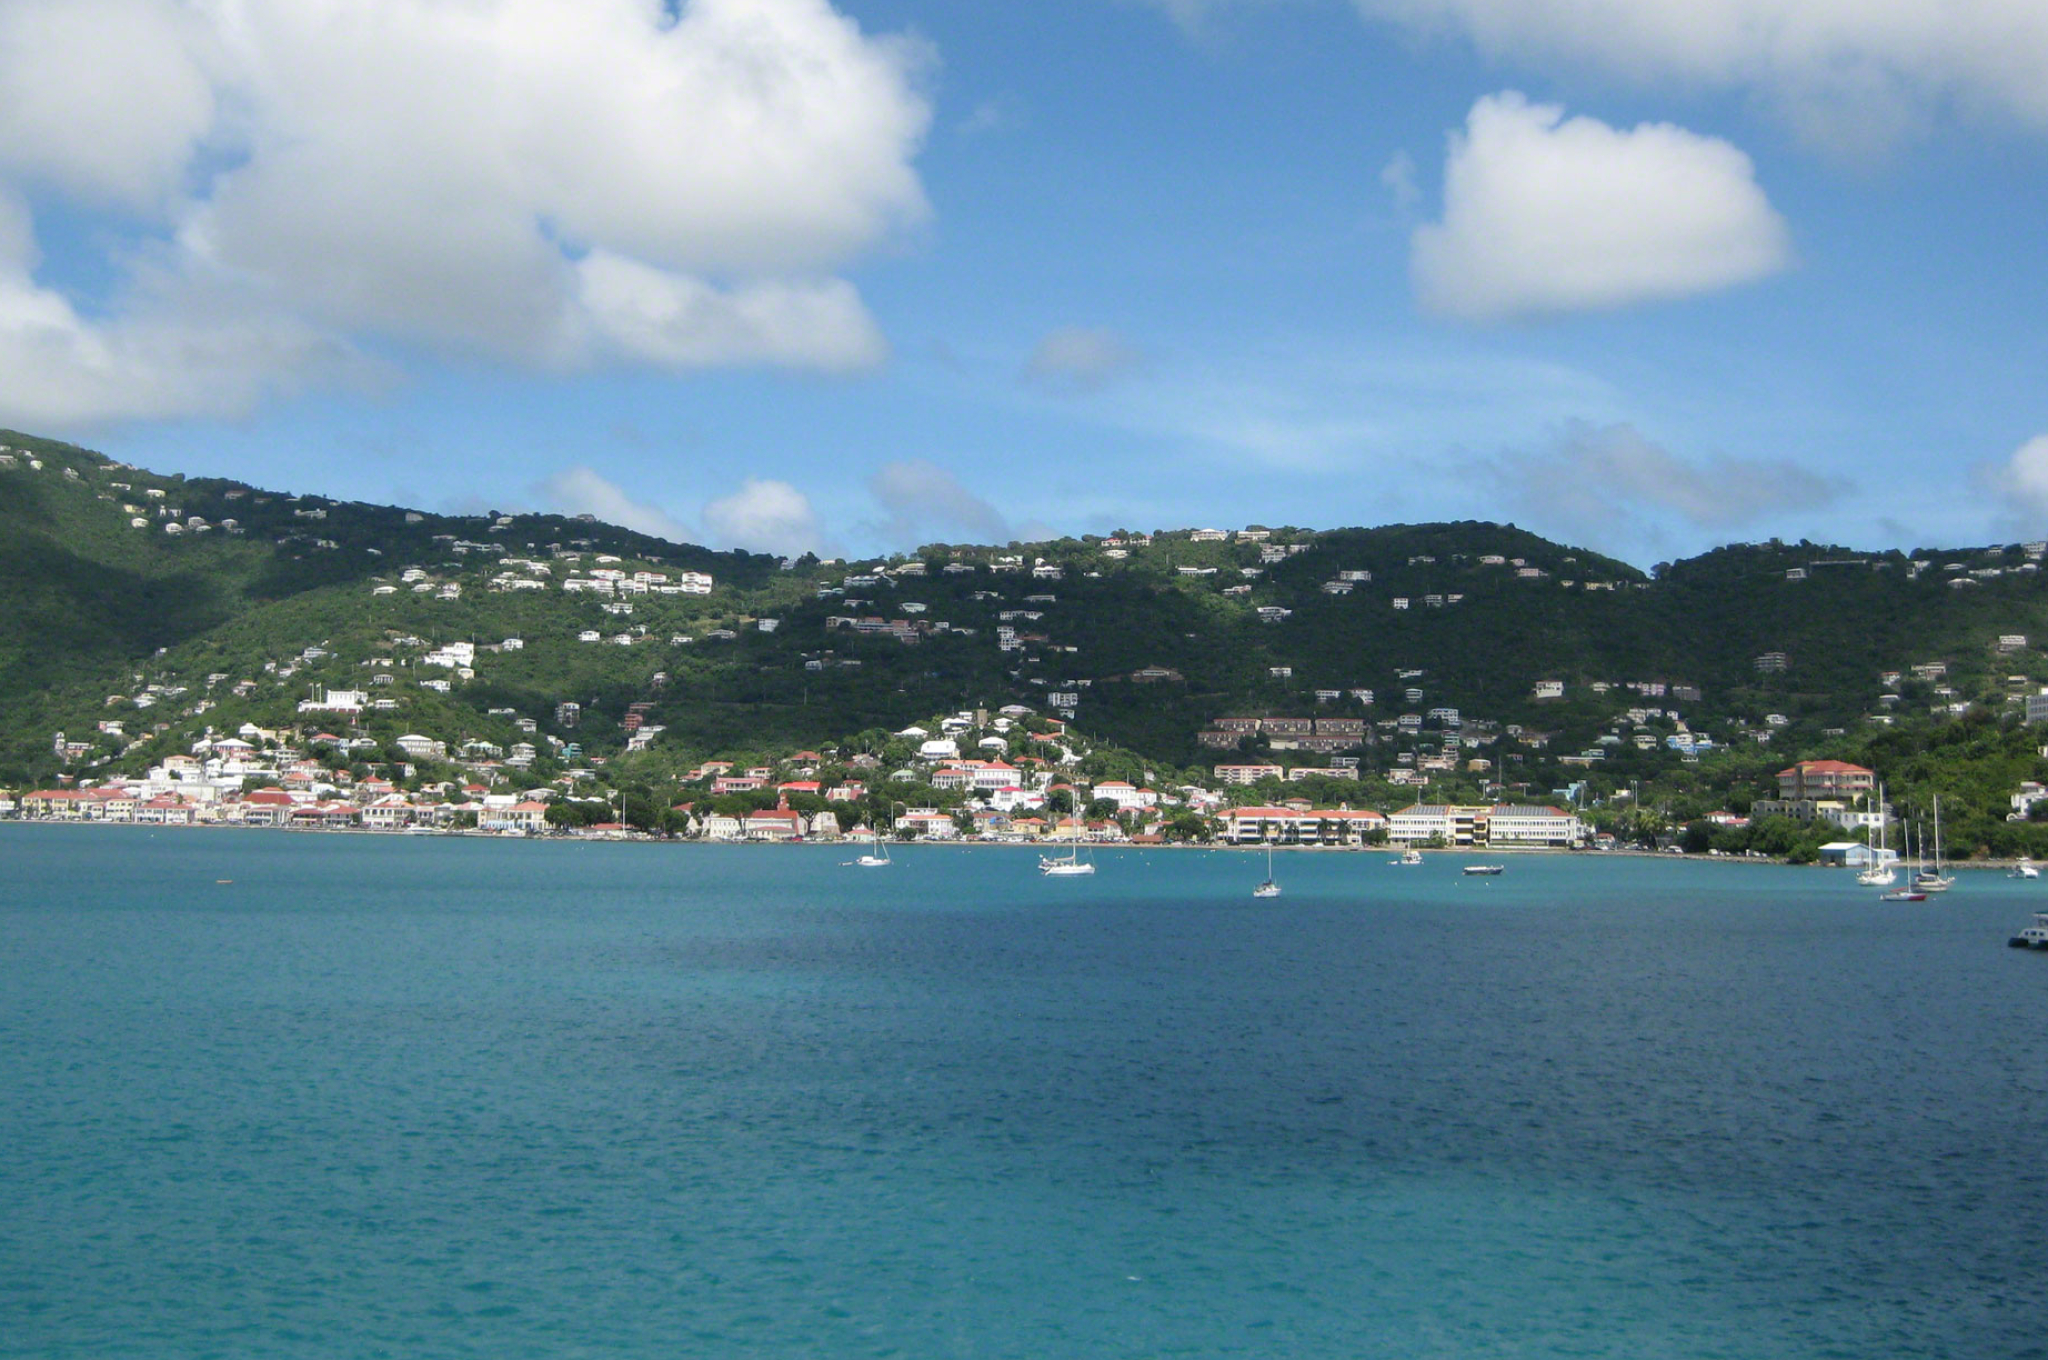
x: 1880, y: 873
x: 1073, y: 866
x: 1410, y: 856
x: 1484, y: 870
x: 2026, y: 868
x: 876, y: 858
x: 1933, y: 880
x: 2034, y: 936
x: 1271, y: 887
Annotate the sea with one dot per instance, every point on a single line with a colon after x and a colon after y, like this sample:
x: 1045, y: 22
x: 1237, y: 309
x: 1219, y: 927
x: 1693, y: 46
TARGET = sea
x: 266, y: 1094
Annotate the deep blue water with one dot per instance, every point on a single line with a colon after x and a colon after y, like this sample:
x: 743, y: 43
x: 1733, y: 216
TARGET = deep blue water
x: 421, y: 1097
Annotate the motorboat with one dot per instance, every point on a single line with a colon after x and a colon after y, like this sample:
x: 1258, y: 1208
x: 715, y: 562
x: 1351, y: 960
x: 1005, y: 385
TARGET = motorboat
x: 1484, y: 870
x: 1409, y: 857
x: 2034, y: 936
x: 2026, y: 868
x: 1903, y: 895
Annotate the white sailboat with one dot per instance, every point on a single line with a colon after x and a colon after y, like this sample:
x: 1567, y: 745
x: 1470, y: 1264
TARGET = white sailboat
x: 1933, y: 880
x: 1073, y: 866
x: 1271, y: 887
x: 1908, y: 893
x: 877, y: 856
x: 1880, y: 873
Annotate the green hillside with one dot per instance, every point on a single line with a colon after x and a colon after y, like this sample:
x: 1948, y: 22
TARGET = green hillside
x: 168, y: 606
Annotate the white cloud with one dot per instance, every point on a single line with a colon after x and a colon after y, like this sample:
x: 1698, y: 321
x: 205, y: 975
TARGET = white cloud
x: 60, y: 368
x: 2025, y: 476
x: 672, y: 319
x: 1545, y: 214
x: 1852, y: 73
x: 764, y: 516
x: 1609, y: 485
x: 1081, y: 359
x: 584, y: 491
x: 491, y: 177
x: 922, y: 499
x: 105, y: 99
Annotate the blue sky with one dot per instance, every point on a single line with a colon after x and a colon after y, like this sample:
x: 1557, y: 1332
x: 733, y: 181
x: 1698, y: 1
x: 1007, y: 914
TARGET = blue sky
x: 1639, y: 274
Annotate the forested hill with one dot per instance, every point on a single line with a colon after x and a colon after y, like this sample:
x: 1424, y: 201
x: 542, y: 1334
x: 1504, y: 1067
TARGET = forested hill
x: 167, y: 605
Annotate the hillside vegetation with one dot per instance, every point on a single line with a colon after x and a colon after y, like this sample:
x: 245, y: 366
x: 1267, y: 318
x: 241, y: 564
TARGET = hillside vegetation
x: 168, y: 606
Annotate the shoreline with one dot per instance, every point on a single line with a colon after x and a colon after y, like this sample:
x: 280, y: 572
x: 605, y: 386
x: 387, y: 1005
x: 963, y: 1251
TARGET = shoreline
x: 964, y: 843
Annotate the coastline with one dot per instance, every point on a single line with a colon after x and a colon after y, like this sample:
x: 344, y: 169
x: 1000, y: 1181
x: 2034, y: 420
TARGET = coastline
x: 964, y: 843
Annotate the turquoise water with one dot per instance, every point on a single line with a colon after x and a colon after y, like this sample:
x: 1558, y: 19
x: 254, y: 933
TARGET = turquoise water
x: 421, y: 1097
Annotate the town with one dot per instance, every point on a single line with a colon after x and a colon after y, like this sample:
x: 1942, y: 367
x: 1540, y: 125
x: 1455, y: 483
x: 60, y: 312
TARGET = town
x: 506, y: 674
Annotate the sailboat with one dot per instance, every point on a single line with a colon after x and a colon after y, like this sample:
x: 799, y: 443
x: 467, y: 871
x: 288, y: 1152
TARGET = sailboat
x: 1073, y: 866
x: 1908, y: 893
x: 1880, y: 873
x: 1933, y: 880
x: 878, y: 856
x: 1271, y: 887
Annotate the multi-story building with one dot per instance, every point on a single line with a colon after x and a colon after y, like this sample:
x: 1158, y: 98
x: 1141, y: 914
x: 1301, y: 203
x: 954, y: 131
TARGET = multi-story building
x: 1825, y: 779
x: 1445, y: 822
x: 1509, y: 824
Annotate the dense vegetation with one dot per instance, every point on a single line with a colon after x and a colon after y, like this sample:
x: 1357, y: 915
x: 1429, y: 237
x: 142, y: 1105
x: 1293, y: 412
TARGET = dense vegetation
x: 169, y: 633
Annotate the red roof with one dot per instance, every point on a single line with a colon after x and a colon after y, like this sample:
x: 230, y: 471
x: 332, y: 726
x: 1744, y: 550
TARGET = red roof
x: 1806, y: 767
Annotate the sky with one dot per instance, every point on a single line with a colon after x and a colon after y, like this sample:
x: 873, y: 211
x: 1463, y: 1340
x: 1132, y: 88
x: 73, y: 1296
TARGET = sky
x: 1645, y: 276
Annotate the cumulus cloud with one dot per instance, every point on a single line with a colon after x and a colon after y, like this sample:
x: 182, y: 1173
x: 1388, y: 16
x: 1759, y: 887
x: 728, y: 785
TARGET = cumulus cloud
x: 584, y: 491
x: 552, y: 182
x: 764, y: 516
x: 59, y: 367
x: 1081, y: 359
x: 666, y: 318
x: 2025, y: 476
x: 1544, y: 214
x: 1852, y: 73
x: 923, y: 500
x: 104, y: 99
x: 1609, y: 484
